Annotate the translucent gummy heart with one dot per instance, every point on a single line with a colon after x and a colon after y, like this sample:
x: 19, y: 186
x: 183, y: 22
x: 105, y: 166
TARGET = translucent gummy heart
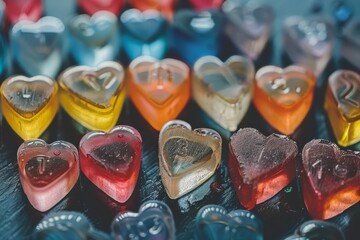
x: 112, y: 160
x: 309, y: 42
x: 350, y: 43
x: 64, y: 10
x: 93, y: 6
x: 342, y: 103
x: 195, y: 34
x: 94, y: 39
x: 260, y: 166
x: 159, y: 89
x: 330, y: 178
x: 201, y: 5
x: 144, y: 33
x: 47, y: 171
x: 213, y: 222
x: 314, y: 229
x: 187, y: 158
x: 29, y: 105
x: 93, y: 96
x: 248, y: 26
x: 17, y: 10
x: 284, y: 96
x: 39, y: 47
x: 67, y: 225
x: 223, y: 89
x: 166, y: 7
x: 153, y: 221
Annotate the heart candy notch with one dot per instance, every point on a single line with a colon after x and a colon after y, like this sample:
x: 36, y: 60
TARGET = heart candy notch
x: 39, y: 48
x: 94, y: 39
x: 187, y: 158
x: 159, y: 89
x: 342, y: 103
x: 17, y: 10
x: 153, y: 221
x: 284, y: 96
x: 93, y: 96
x: 260, y: 166
x: 330, y: 178
x: 213, y: 222
x: 65, y: 10
x: 47, y: 171
x: 93, y: 6
x: 112, y: 160
x: 144, y: 33
x: 29, y: 105
x: 248, y: 26
x: 309, y: 42
x: 223, y: 89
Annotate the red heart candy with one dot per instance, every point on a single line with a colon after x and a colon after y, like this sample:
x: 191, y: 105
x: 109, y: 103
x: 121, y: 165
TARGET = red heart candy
x: 330, y: 178
x: 112, y: 160
x: 93, y: 6
x: 23, y: 10
x: 201, y: 5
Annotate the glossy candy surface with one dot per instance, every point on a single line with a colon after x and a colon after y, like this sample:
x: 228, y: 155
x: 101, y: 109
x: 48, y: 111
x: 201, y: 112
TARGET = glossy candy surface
x: 159, y: 89
x: 187, y: 158
x: 342, y: 103
x: 284, y: 96
x: 154, y: 221
x: 29, y: 105
x: 47, y: 171
x: 93, y: 96
x: 260, y: 166
x: 112, y: 160
x: 223, y: 89
x: 17, y: 10
x: 93, y: 6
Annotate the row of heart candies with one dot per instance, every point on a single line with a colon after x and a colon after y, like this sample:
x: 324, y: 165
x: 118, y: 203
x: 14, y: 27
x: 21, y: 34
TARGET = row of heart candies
x: 42, y: 47
x: 155, y: 220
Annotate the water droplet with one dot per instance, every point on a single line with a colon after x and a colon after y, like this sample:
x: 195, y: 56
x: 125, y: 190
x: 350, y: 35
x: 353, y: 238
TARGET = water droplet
x: 57, y: 152
x: 215, y: 186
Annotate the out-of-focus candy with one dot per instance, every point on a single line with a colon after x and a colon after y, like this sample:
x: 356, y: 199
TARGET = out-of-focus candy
x: 159, y: 89
x: 93, y: 96
x: 187, y: 158
x: 17, y: 10
x: 93, y: 6
x: 260, y: 166
x: 166, y: 7
x: 223, y: 89
x: 330, y: 178
x: 64, y: 9
x: 29, y: 105
x: 350, y: 43
x: 284, y: 96
x: 47, y: 171
x: 201, y: 5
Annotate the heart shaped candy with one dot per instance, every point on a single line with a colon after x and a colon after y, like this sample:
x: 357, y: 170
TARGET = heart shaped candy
x: 47, y: 171
x: 67, y: 225
x: 29, y: 104
x: 315, y: 229
x: 93, y: 96
x: 330, y: 178
x: 153, y: 221
x: 94, y: 39
x: 350, y: 43
x: 260, y: 166
x: 201, y: 5
x: 223, y: 90
x: 39, y: 47
x: 284, y: 96
x: 144, y: 33
x: 112, y: 160
x: 94, y: 6
x: 342, y: 103
x: 158, y: 89
x: 64, y: 10
x: 187, y: 158
x: 17, y: 10
x: 309, y: 42
x: 248, y: 26
x: 212, y: 222
x: 166, y: 7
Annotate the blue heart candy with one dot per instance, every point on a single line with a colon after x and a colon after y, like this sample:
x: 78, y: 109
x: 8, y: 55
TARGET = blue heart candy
x: 212, y: 222
x: 94, y: 39
x: 39, y: 47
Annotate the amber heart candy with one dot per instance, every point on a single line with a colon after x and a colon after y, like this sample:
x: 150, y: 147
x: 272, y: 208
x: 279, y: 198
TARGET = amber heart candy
x: 284, y: 96
x: 158, y: 89
x: 187, y: 158
x: 93, y: 96
x: 342, y: 103
x: 223, y: 89
x: 47, y: 171
x: 112, y: 160
x: 330, y: 178
x: 29, y: 104
x: 260, y: 166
